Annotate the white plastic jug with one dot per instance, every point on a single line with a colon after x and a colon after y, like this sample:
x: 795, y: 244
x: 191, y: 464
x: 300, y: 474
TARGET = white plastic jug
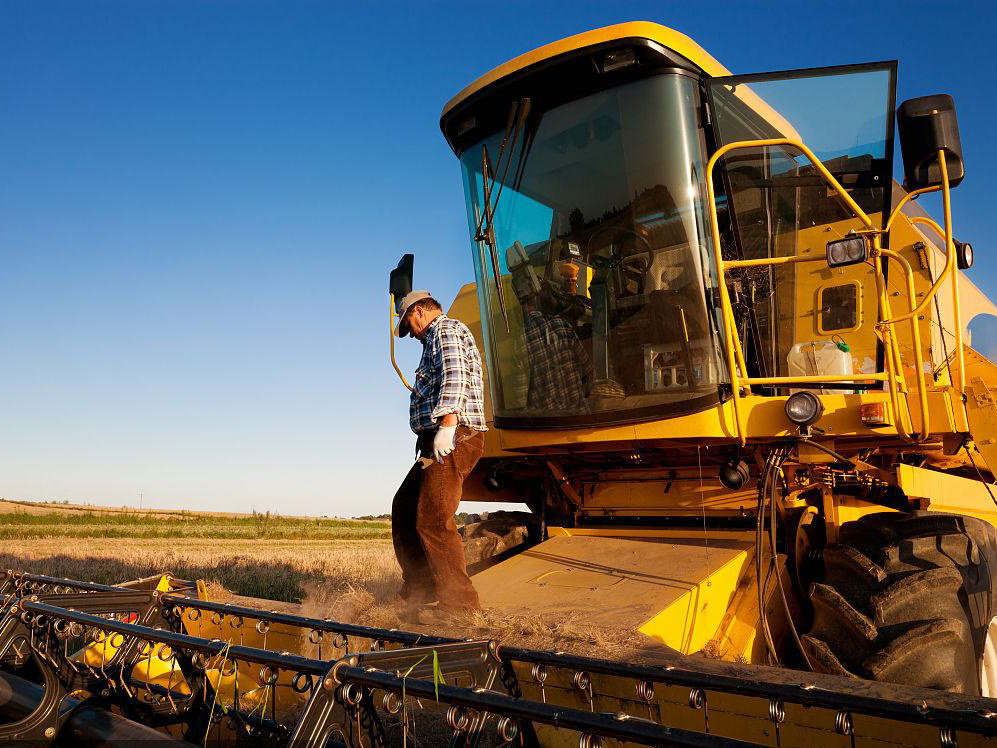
x: 820, y: 358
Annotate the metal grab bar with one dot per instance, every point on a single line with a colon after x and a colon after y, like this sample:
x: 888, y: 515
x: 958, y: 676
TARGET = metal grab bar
x: 922, y: 389
x: 903, y: 201
x: 950, y: 262
x: 735, y: 355
x: 950, y: 259
x: 946, y: 271
x: 391, y: 339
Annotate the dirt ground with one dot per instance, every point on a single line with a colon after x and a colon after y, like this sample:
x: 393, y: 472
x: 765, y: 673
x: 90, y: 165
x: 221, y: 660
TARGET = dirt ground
x: 350, y: 581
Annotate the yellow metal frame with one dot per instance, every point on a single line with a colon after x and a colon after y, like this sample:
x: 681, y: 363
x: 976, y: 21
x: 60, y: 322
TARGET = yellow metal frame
x: 391, y: 339
x: 893, y: 375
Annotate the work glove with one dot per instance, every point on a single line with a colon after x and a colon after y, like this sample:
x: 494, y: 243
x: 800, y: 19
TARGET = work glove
x: 443, y: 444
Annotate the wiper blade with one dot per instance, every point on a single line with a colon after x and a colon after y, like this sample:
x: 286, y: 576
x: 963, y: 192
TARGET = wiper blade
x: 485, y: 230
x: 488, y: 234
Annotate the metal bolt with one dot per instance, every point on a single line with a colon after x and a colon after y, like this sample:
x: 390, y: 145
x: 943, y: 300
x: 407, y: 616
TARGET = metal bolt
x: 49, y: 732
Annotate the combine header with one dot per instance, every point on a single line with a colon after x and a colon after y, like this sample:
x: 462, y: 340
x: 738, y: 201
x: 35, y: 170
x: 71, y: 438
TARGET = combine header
x: 730, y: 372
x: 87, y: 664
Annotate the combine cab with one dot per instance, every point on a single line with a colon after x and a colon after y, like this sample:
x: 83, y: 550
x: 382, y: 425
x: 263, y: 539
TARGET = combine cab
x: 729, y: 372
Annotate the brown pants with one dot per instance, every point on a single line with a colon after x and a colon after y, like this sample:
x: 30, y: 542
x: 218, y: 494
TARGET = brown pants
x: 427, y: 544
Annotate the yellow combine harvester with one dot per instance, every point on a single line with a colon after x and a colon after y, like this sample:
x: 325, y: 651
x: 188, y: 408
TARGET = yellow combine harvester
x: 728, y: 358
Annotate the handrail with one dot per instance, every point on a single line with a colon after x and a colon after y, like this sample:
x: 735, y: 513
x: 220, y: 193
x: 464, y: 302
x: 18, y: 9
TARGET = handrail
x: 946, y: 271
x: 773, y: 261
x: 830, y: 378
x: 922, y: 389
x: 903, y: 201
x: 950, y: 249
x: 893, y: 357
x: 950, y: 265
x: 735, y: 356
x: 391, y: 339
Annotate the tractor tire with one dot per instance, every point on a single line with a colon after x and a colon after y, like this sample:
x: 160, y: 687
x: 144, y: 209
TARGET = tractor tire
x: 907, y: 598
x: 494, y: 538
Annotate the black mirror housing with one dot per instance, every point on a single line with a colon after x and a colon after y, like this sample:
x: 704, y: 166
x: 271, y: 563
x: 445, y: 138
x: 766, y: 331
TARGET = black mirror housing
x: 925, y: 126
x: 400, y: 279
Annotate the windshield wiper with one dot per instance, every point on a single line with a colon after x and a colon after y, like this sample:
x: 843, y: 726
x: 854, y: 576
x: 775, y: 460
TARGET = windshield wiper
x: 485, y: 231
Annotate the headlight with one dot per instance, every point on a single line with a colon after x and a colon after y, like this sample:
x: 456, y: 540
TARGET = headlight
x: 964, y: 255
x: 803, y: 408
x: 849, y: 251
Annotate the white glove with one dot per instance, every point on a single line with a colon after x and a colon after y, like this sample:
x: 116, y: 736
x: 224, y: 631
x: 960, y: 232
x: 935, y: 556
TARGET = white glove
x: 443, y: 444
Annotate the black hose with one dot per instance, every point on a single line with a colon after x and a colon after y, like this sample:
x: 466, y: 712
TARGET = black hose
x: 826, y: 450
x: 778, y: 576
x: 763, y: 480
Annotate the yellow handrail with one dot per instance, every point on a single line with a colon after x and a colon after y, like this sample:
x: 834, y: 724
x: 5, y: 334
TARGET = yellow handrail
x: 876, y: 377
x: 922, y: 388
x: 894, y: 361
x: 391, y: 338
x: 735, y: 357
x: 950, y: 250
x: 773, y: 261
x: 946, y: 271
x: 949, y: 269
x: 903, y: 201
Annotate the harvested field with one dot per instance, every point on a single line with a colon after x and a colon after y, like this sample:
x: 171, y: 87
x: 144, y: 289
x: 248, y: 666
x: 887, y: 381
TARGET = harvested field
x: 280, y: 570
x: 354, y: 581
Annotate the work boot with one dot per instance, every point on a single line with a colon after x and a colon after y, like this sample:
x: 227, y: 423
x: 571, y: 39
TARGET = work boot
x: 413, y: 595
x: 457, y: 612
x: 420, y: 613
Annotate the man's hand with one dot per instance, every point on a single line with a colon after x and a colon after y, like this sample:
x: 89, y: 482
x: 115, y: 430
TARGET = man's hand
x: 443, y: 444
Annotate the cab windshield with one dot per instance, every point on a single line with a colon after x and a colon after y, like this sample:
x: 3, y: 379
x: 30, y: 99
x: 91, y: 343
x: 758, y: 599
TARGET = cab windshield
x: 604, y: 260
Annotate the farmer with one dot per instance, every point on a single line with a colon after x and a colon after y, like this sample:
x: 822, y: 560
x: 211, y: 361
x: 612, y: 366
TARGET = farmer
x: 447, y: 414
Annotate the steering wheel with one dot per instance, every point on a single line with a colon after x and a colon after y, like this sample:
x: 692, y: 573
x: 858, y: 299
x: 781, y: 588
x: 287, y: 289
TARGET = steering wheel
x: 633, y: 265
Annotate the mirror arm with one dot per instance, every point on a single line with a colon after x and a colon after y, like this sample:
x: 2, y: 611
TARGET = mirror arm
x: 391, y: 339
x: 903, y: 201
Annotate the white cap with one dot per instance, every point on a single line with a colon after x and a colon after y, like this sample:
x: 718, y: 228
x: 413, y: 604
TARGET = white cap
x: 402, y: 308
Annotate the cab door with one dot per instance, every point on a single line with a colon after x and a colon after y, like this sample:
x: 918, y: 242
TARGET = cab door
x: 796, y: 318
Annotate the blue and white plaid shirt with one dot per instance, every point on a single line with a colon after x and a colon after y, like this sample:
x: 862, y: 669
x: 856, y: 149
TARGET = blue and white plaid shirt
x: 448, y: 379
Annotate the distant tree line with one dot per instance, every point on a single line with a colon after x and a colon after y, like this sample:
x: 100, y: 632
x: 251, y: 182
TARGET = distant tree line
x: 462, y: 518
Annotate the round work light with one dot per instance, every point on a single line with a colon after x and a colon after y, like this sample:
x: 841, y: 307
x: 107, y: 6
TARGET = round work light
x: 964, y: 254
x: 734, y: 473
x: 803, y: 408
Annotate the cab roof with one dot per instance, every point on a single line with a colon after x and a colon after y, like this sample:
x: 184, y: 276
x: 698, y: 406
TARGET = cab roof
x: 666, y: 37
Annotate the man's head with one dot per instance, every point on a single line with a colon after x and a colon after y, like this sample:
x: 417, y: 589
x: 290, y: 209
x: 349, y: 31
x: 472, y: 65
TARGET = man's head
x: 416, y: 311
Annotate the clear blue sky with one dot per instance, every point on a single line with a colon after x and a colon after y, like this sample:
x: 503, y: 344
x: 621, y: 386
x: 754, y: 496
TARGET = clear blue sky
x: 199, y: 203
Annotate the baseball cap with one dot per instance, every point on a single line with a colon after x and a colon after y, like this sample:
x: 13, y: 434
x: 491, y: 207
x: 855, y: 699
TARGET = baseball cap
x: 403, y: 306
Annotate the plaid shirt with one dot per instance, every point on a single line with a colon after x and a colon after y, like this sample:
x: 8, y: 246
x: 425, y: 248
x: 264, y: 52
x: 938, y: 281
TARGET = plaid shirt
x: 448, y: 379
x: 558, y: 364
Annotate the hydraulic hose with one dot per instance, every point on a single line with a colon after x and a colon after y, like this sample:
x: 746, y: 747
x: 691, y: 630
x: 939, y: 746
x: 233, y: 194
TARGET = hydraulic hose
x: 777, y: 469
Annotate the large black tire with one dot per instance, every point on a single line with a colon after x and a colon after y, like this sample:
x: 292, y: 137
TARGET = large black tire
x: 906, y: 598
x: 489, y: 540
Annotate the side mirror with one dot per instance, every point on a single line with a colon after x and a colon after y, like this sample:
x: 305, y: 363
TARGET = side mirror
x: 925, y: 126
x: 400, y: 280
